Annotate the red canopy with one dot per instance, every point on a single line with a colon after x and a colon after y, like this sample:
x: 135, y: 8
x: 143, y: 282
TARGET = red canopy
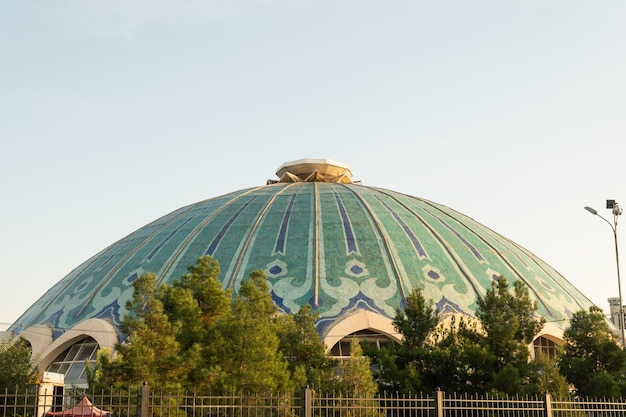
x: 83, y: 409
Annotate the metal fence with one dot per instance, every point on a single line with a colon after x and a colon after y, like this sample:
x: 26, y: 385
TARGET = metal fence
x: 146, y: 402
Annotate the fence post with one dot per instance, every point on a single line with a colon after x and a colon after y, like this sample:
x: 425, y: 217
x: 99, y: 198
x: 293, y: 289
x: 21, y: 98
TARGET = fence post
x: 439, y: 403
x: 547, y: 405
x: 143, y: 404
x: 307, y: 403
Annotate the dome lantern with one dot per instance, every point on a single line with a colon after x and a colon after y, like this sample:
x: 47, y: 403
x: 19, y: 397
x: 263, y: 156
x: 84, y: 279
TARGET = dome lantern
x: 313, y: 170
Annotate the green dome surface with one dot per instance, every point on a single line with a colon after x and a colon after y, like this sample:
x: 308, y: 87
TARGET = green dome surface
x: 341, y: 247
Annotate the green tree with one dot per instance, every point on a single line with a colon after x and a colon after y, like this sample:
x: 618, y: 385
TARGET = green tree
x: 509, y: 323
x: 460, y: 361
x: 405, y: 367
x: 150, y: 352
x: 544, y: 376
x: 249, y: 349
x: 193, y: 334
x: 171, y: 332
x: 417, y: 321
x: 195, y: 304
x: 18, y: 368
x: 465, y: 355
x: 197, y: 301
x: 592, y: 359
x: 309, y: 361
x: 357, y: 379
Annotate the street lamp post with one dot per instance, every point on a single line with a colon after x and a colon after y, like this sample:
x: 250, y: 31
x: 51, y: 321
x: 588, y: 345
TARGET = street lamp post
x: 616, y: 210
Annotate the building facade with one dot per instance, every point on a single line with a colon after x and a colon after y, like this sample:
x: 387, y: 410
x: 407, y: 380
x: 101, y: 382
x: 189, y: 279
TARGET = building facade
x: 352, y: 252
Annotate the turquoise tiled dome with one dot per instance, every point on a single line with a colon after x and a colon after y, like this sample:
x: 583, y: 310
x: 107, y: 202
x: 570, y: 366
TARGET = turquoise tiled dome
x: 321, y: 240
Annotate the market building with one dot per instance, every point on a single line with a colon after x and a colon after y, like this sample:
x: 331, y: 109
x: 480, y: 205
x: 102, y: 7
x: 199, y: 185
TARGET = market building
x: 351, y: 251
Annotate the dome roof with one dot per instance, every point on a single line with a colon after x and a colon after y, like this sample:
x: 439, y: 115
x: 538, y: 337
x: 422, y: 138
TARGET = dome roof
x: 322, y: 240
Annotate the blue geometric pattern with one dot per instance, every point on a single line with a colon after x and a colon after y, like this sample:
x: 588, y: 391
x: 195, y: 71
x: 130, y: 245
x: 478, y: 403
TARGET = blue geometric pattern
x: 338, y: 247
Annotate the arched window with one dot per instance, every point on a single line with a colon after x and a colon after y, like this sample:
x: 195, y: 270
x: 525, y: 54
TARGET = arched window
x: 545, y: 346
x: 72, y: 361
x: 341, y: 350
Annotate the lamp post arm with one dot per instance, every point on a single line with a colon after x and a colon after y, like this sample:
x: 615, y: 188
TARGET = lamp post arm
x: 613, y: 225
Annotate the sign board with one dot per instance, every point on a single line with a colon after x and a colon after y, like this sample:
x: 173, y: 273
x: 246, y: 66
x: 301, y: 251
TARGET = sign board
x: 53, y: 378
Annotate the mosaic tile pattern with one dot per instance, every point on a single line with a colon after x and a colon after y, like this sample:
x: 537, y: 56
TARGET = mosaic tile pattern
x: 338, y: 247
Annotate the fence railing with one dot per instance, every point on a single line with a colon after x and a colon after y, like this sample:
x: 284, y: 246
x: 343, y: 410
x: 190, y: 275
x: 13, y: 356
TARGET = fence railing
x: 146, y: 402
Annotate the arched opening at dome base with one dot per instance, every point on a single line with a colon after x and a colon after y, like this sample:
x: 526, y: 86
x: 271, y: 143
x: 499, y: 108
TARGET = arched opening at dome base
x: 366, y: 326
x: 72, y: 361
x: 546, y: 347
x: 372, y: 338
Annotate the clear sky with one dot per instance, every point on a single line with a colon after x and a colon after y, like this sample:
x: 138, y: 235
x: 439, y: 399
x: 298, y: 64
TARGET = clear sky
x: 115, y: 112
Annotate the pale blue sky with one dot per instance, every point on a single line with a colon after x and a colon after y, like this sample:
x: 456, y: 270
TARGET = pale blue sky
x: 116, y: 112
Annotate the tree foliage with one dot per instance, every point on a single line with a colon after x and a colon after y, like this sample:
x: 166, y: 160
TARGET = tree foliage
x: 357, y: 378
x: 544, y: 376
x: 489, y: 353
x: 18, y: 368
x: 195, y: 335
x: 592, y: 359
x: 309, y: 361
x: 416, y: 322
x: 249, y: 351
x: 460, y: 361
x: 150, y: 351
x: 196, y: 302
x: 509, y: 324
x: 404, y: 367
